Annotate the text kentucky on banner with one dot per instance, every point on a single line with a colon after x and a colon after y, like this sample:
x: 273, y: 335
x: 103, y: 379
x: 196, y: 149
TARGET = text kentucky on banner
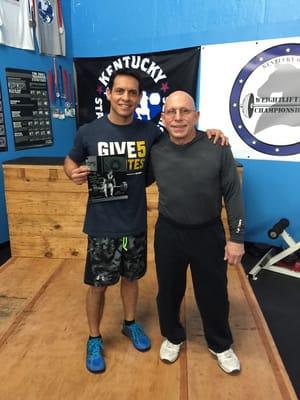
x: 162, y: 73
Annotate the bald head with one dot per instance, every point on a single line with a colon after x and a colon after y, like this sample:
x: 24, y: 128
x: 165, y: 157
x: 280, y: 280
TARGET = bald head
x: 180, y: 96
x: 180, y: 117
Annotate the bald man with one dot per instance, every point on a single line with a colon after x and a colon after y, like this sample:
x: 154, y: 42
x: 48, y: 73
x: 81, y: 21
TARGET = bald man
x: 193, y: 175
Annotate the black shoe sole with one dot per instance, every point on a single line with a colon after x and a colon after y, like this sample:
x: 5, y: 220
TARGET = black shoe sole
x: 167, y: 361
x: 96, y: 372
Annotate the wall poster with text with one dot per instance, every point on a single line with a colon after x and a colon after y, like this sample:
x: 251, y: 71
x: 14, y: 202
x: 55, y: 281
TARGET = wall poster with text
x: 30, y: 108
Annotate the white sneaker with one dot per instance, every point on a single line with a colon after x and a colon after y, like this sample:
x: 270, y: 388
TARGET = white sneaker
x: 228, y: 361
x: 169, y: 351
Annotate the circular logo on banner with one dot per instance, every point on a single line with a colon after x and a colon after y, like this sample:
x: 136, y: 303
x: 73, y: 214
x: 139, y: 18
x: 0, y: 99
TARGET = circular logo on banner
x: 45, y: 11
x: 153, y: 98
x: 265, y: 101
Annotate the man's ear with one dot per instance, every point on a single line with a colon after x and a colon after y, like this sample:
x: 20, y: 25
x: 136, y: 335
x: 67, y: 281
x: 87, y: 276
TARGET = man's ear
x: 196, y: 119
x: 108, y: 94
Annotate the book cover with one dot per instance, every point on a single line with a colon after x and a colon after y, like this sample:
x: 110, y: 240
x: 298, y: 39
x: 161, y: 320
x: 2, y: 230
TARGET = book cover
x: 107, y: 179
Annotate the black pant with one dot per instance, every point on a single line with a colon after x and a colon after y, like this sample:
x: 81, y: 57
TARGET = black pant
x: 202, y: 249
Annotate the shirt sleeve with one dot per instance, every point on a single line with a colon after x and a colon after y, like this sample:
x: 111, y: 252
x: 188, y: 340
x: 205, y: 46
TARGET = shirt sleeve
x: 149, y: 176
x: 78, y: 152
x: 232, y: 194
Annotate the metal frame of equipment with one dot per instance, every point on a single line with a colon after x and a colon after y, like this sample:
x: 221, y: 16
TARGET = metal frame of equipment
x: 269, y: 260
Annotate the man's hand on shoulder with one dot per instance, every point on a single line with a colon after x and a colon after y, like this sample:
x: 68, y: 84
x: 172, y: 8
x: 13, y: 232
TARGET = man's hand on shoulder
x: 234, y: 252
x: 217, y: 136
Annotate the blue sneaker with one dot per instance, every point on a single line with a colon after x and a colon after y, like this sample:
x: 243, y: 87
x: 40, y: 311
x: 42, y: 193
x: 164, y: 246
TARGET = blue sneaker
x: 137, y: 336
x: 94, y: 355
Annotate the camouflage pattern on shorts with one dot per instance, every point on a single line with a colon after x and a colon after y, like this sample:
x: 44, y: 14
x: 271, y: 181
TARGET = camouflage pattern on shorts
x: 110, y: 258
x: 134, y: 259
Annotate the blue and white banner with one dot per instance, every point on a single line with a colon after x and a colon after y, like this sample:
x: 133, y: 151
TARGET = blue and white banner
x: 251, y: 90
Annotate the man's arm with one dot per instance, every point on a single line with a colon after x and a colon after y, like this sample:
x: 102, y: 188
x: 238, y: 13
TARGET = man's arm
x: 231, y: 191
x: 149, y: 175
x: 76, y: 172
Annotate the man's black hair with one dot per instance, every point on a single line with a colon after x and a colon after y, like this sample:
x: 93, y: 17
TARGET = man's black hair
x: 127, y: 72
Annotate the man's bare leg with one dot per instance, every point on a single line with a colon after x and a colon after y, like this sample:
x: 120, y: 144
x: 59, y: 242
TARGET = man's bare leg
x: 95, y: 300
x: 129, y: 294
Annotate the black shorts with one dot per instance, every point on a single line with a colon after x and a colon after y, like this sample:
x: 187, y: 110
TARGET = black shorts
x: 109, y: 258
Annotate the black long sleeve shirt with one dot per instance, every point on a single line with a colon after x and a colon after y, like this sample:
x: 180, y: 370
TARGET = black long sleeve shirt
x: 192, y: 180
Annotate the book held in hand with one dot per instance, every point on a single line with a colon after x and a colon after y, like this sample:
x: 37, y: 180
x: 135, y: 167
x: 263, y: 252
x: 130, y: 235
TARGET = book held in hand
x: 107, y: 179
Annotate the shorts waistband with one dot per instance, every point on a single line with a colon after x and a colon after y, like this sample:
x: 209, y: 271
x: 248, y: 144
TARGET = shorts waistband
x: 176, y: 224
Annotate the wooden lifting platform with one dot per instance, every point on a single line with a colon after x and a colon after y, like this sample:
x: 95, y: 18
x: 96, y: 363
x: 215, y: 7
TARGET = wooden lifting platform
x: 43, y: 327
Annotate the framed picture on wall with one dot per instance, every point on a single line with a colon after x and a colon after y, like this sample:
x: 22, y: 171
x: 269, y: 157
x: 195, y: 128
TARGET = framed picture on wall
x: 30, y: 108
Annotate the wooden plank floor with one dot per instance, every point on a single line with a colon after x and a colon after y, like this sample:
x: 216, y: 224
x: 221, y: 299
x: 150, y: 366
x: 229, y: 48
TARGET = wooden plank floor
x: 260, y: 378
x: 43, y: 332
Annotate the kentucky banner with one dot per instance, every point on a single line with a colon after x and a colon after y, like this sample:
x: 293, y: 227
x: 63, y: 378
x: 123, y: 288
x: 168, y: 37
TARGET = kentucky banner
x: 162, y: 73
x: 251, y: 90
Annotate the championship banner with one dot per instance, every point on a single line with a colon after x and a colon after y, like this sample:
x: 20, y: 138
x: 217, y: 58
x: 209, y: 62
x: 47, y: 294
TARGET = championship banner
x: 162, y: 74
x: 251, y: 90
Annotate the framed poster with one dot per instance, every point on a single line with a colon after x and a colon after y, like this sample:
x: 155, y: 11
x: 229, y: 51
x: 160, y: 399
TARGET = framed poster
x: 30, y: 108
x: 3, y: 139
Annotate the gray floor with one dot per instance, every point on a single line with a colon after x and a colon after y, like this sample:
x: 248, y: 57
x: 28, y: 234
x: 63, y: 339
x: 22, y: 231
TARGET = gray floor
x: 279, y: 299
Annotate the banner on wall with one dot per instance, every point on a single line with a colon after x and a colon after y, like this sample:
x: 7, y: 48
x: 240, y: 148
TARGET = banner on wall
x: 251, y: 90
x: 162, y: 73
